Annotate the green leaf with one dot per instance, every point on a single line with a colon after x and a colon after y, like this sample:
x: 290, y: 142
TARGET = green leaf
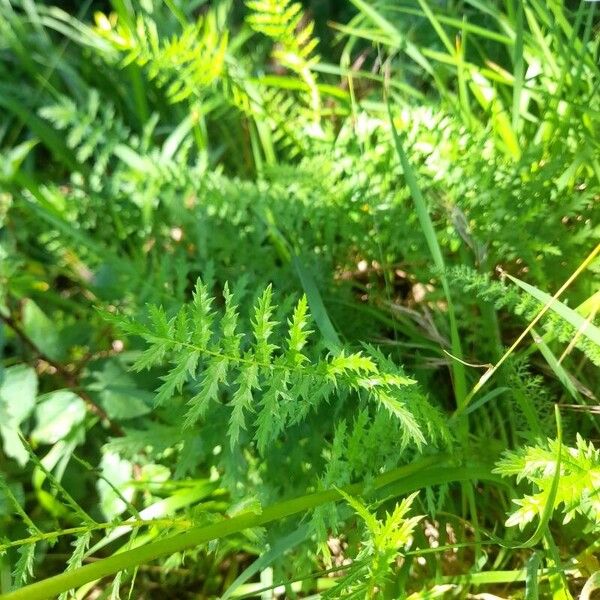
x: 119, y: 394
x: 242, y: 401
x: 57, y: 414
x: 186, y: 363
x: 280, y: 378
x: 270, y: 419
x: 263, y: 327
x: 120, y: 474
x: 18, y: 389
x: 362, y: 511
x: 201, y: 315
x: 215, y: 374
x: 398, y: 409
x: 42, y: 331
x: 298, y: 334
x: 23, y: 570
x: 231, y: 339
x: 545, y: 502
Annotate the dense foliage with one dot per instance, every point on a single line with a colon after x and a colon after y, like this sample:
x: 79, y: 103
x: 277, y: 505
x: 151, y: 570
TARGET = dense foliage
x: 299, y: 300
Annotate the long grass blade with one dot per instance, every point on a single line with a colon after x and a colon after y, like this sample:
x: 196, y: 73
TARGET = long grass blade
x: 586, y: 328
x: 415, y: 476
x: 549, y: 302
x: 531, y: 582
x: 459, y: 378
x: 518, y: 68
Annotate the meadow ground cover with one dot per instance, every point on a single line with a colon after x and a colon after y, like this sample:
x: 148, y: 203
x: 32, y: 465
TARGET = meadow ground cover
x: 299, y: 300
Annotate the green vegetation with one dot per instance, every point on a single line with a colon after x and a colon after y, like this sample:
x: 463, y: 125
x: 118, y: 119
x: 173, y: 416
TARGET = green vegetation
x: 299, y: 300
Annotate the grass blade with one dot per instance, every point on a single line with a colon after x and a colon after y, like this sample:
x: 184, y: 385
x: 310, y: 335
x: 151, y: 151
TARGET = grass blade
x: 264, y: 560
x: 568, y: 314
x: 554, y: 364
x: 458, y: 372
x: 531, y: 581
x: 549, y: 301
x: 407, y: 479
x: 518, y: 68
x: 317, y: 308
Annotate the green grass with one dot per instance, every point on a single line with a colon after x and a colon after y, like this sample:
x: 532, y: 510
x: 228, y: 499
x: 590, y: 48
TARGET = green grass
x: 290, y: 317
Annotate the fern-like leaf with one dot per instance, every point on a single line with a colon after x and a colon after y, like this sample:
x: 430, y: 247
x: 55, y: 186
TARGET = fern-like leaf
x: 183, y: 65
x: 283, y: 21
x: 384, y: 543
x: 578, y: 484
x: 23, y: 570
x: 264, y: 371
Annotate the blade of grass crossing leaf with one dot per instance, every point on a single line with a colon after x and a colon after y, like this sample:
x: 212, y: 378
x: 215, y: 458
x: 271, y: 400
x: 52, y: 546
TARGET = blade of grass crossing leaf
x: 590, y: 309
x: 549, y: 302
x: 531, y: 578
x: 458, y: 372
x: 542, y: 528
x: 317, y: 308
x: 557, y: 368
x: 281, y: 547
x: 415, y: 476
x: 568, y: 314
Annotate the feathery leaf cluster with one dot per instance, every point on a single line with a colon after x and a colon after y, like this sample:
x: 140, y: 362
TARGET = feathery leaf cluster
x: 265, y: 373
x: 578, y: 486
